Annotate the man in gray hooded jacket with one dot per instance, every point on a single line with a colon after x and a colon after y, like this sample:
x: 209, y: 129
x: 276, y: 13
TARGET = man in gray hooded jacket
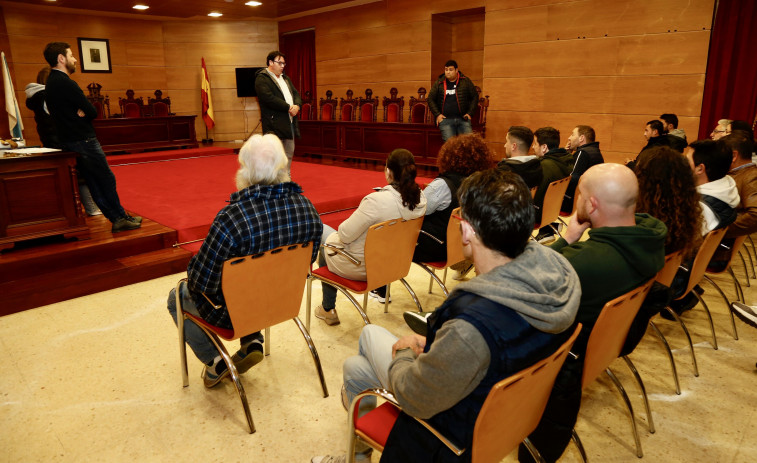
x: 516, y: 312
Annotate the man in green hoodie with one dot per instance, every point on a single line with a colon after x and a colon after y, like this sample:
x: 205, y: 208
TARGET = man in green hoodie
x: 624, y: 250
x: 518, y: 310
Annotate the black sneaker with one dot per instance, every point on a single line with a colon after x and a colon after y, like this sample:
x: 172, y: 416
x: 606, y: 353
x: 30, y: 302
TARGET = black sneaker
x: 134, y: 218
x: 545, y: 235
x: 417, y: 321
x: 248, y: 356
x: 124, y: 224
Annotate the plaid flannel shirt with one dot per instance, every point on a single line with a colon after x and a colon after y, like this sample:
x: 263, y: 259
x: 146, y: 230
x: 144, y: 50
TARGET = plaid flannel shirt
x: 257, y: 219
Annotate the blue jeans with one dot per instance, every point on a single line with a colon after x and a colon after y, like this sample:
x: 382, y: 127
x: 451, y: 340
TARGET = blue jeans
x: 329, y: 292
x: 94, y: 168
x: 453, y: 126
x: 198, y: 341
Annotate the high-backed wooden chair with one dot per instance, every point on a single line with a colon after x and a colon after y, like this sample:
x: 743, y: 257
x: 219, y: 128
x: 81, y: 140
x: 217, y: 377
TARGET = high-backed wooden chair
x: 419, y: 113
x: 328, y: 107
x: 306, y: 111
x: 367, y: 107
x: 389, y: 248
x: 260, y: 291
x: 101, y: 103
x: 510, y: 413
x: 393, y: 106
x: 478, y: 120
x: 454, y: 244
x: 550, y: 209
x: 347, y: 107
x: 605, y: 343
x: 130, y: 106
x: 159, y: 106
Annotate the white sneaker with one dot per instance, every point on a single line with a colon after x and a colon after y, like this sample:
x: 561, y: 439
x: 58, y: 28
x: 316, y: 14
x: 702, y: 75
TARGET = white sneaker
x: 330, y: 317
x: 746, y: 313
x: 378, y: 297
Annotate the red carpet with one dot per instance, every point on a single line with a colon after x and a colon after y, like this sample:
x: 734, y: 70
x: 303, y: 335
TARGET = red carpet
x: 153, y: 156
x: 185, y: 194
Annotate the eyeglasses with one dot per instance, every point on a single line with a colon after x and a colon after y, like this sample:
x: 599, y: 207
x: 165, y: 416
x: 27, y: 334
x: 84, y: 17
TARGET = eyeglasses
x: 281, y: 63
x: 719, y: 131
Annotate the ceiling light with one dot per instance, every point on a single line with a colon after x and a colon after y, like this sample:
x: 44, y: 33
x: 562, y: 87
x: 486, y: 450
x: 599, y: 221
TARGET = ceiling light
x: 140, y: 7
x: 253, y: 3
x: 215, y: 14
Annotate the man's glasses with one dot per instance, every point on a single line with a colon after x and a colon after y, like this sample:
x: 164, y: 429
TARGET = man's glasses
x: 281, y: 63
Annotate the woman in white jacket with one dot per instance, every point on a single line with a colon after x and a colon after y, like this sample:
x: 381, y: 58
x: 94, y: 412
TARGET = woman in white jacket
x: 401, y: 198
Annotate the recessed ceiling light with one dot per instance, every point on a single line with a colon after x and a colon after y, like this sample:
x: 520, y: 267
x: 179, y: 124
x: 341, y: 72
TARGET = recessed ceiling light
x: 215, y: 14
x: 253, y: 3
x: 140, y: 7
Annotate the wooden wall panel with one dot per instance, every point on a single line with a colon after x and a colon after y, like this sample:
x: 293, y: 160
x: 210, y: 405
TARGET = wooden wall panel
x: 515, y: 25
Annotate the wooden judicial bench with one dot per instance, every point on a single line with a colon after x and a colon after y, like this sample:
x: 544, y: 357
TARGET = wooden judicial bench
x: 140, y: 133
x: 39, y: 197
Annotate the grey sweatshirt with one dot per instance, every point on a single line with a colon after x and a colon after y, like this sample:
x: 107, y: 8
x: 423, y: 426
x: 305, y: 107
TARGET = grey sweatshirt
x: 540, y: 285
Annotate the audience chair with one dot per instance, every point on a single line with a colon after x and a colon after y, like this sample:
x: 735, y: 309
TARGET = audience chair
x: 389, y: 248
x: 665, y: 277
x: 393, y: 106
x: 510, y: 413
x: 605, y: 343
x: 550, y: 209
x: 247, y: 284
x: 454, y: 243
x: 737, y: 244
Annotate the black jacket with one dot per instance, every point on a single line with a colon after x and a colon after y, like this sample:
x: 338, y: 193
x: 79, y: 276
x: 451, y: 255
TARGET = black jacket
x: 45, y: 124
x: 467, y: 96
x: 585, y: 156
x: 64, y: 99
x: 274, y: 110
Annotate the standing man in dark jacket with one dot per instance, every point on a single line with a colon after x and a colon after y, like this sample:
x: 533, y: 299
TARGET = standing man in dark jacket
x: 73, y: 114
x: 279, y: 102
x: 452, y: 100
x: 585, y: 154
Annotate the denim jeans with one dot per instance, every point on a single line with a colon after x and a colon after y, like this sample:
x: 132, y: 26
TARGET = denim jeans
x: 94, y: 168
x: 453, y: 126
x: 329, y: 292
x: 198, y: 341
x: 370, y: 368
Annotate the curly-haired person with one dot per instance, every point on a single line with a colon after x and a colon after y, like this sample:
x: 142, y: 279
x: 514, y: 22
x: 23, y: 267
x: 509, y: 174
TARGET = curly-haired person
x: 667, y: 191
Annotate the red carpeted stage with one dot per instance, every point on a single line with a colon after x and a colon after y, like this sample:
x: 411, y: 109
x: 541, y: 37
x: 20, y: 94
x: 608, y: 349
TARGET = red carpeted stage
x: 186, y: 192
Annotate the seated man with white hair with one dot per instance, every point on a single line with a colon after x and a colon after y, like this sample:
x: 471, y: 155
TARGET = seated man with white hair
x: 267, y: 211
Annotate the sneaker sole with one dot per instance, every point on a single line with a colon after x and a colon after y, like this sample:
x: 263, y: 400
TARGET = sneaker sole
x: 381, y: 300
x: 249, y: 361
x: 746, y: 318
x: 210, y: 383
x: 418, y: 324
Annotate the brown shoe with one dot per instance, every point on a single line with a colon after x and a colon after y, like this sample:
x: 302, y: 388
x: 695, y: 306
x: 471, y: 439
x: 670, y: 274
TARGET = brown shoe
x: 330, y: 317
x: 123, y: 224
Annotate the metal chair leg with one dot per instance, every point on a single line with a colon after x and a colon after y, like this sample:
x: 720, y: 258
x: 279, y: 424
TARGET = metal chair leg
x: 308, y: 304
x: 533, y: 451
x: 639, y: 381
x: 266, y: 343
x: 579, y: 445
x: 627, y: 401
x: 388, y: 294
x: 412, y: 294
x: 182, y: 344
x: 743, y: 262
x: 435, y: 277
x: 670, y: 355
x: 314, y: 353
x: 727, y: 302
x: 709, y: 317
x: 688, y: 338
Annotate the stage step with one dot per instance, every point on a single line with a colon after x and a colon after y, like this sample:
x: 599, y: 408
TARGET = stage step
x: 75, y: 281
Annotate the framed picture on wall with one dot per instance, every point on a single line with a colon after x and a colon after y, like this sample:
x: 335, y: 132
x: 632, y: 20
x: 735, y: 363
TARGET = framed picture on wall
x: 94, y: 55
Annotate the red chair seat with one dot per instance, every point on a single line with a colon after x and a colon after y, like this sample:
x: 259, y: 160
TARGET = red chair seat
x: 222, y: 332
x: 377, y: 423
x: 352, y: 285
x: 437, y: 265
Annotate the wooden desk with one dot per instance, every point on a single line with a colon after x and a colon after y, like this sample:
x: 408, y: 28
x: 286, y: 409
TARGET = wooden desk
x: 369, y: 140
x: 39, y: 196
x: 140, y: 133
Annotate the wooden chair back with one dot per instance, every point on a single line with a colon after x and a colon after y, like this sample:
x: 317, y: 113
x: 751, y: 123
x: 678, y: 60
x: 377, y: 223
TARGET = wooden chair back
x: 706, y: 251
x: 610, y: 331
x: 262, y: 290
x: 419, y: 112
x: 668, y: 272
x: 454, y: 239
x: 347, y: 107
x: 306, y: 109
x: 738, y: 242
x: 328, y: 106
x: 514, y: 407
x: 550, y: 209
x: 367, y: 107
x: 160, y: 109
x: 131, y: 110
x: 389, y: 248
x: 393, y: 106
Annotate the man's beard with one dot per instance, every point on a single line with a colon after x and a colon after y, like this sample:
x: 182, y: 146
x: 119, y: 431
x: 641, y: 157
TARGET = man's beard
x: 71, y: 67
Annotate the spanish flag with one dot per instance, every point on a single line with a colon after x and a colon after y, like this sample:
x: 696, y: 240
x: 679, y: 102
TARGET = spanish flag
x: 207, y: 103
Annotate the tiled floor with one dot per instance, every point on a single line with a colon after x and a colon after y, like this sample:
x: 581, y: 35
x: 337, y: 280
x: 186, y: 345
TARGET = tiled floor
x: 97, y: 379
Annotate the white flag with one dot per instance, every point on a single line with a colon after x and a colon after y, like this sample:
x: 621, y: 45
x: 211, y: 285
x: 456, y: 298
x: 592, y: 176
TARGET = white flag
x: 11, y: 105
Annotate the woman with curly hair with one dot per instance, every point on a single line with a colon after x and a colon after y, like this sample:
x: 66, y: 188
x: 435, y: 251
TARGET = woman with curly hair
x: 667, y: 191
x: 459, y: 157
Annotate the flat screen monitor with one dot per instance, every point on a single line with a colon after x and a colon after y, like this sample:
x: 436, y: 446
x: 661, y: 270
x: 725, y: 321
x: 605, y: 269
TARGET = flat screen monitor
x: 246, y: 82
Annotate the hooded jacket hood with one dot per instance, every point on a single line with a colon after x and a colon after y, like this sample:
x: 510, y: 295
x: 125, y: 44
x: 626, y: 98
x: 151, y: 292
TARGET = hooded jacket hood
x: 724, y: 189
x: 32, y: 88
x: 542, y: 287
